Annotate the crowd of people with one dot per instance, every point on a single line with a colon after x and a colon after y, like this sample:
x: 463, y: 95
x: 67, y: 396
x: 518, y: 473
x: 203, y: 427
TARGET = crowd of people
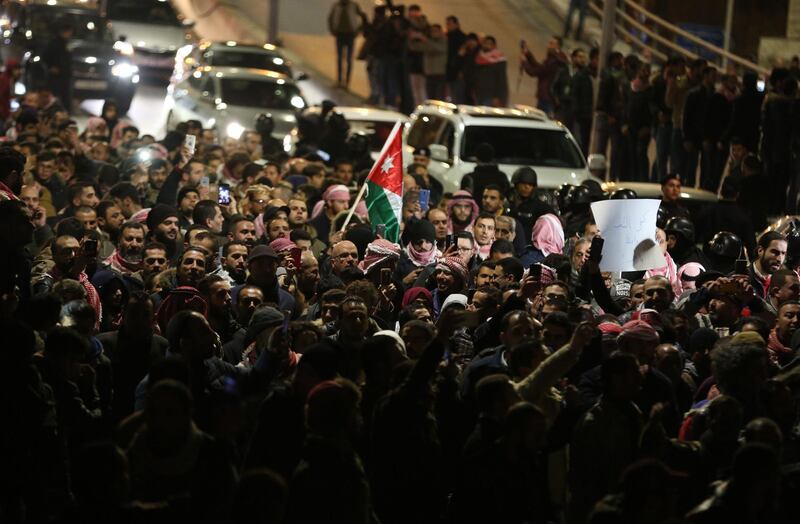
x: 649, y: 119
x: 196, y: 334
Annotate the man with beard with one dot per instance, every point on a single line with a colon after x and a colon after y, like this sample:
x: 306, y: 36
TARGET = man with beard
x: 248, y: 299
x: 343, y: 255
x: 127, y: 258
x: 262, y: 262
x: 336, y: 199
x: 217, y: 293
x: 658, y: 293
x: 155, y: 259
x: 461, y: 212
x: 308, y: 277
x: 243, y: 230
x: 771, y: 255
x: 188, y: 197
x: 109, y: 221
x: 162, y: 221
x: 70, y: 262
x: 210, y: 244
x: 451, y: 277
x: 234, y: 260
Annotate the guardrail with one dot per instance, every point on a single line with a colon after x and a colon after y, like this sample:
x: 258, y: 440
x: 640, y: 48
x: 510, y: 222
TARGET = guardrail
x: 665, y: 34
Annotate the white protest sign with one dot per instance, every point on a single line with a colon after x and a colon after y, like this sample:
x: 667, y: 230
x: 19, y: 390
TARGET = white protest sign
x: 629, y: 230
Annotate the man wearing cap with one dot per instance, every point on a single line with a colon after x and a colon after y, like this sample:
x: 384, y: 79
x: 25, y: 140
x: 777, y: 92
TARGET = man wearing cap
x: 525, y: 207
x: 162, y: 222
x: 335, y: 199
x: 451, y: 277
x: 262, y: 265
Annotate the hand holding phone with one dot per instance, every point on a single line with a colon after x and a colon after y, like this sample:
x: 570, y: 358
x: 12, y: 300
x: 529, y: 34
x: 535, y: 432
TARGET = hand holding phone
x: 296, y: 253
x: 380, y: 230
x: 386, y: 276
x: 596, y: 250
x: 224, y: 194
x: 189, y: 142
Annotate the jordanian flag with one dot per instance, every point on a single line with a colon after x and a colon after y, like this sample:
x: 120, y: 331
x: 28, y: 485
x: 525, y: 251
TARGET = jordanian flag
x: 385, y: 186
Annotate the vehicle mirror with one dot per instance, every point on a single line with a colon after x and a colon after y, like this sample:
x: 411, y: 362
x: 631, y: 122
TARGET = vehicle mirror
x: 302, y: 76
x: 439, y: 152
x: 596, y: 162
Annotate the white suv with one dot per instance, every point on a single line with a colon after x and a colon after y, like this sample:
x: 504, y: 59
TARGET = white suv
x: 520, y: 136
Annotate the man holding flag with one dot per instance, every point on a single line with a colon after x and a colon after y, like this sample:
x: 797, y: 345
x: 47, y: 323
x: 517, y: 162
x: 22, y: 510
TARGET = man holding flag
x: 384, y: 188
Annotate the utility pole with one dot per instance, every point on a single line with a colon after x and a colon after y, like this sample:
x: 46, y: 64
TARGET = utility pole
x: 272, y: 20
x: 728, y: 28
x: 609, y: 30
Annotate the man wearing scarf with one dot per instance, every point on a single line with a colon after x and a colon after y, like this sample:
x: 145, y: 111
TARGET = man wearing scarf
x: 127, y: 258
x: 779, y: 346
x: 491, y: 81
x: 462, y: 210
x: 335, y: 199
x: 451, y: 277
x: 547, y: 237
x: 380, y: 254
x: 420, y: 251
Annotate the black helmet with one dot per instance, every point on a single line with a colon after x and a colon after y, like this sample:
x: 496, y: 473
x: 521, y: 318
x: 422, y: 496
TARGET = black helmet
x: 595, y: 189
x: 265, y: 124
x: 525, y: 175
x: 563, y: 196
x: 724, y: 245
x: 793, y: 250
x: 681, y: 226
x: 623, y: 194
x: 579, y: 195
x: 662, y: 217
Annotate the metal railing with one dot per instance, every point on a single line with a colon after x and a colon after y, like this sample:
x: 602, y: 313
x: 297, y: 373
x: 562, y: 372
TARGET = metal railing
x: 664, y: 36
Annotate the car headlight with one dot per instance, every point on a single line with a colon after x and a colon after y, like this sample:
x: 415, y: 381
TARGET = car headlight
x: 125, y: 48
x: 234, y: 130
x: 124, y: 70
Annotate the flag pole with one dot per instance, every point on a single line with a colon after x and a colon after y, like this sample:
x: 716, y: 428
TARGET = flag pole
x: 361, y: 191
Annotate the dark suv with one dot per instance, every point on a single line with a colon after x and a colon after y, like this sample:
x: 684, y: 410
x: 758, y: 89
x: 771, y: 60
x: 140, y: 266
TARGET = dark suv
x: 98, y: 70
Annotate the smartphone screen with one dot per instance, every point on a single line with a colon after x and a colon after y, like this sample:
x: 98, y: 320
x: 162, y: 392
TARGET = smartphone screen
x: 224, y: 194
x: 424, y: 199
x: 380, y: 230
x: 296, y: 253
x: 189, y: 142
x: 386, y: 276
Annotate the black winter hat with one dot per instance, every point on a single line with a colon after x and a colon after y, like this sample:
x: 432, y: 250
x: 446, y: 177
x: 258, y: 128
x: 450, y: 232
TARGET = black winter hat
x: 186, y: 189
x: 419, y: 229
x: 158, y: 214
x: 264, y: 317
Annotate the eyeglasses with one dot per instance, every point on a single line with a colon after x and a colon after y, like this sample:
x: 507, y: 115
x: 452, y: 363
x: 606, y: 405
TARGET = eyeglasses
x: 151, y: 261
x: 345, y: 256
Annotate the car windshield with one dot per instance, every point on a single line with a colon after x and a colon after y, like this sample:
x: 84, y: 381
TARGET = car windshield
x: 158, y: 12
x: 85, y: 24
x: 523, y: 146
x: 377, y: 132
x: 262, y: 94
x: 234, y: 58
